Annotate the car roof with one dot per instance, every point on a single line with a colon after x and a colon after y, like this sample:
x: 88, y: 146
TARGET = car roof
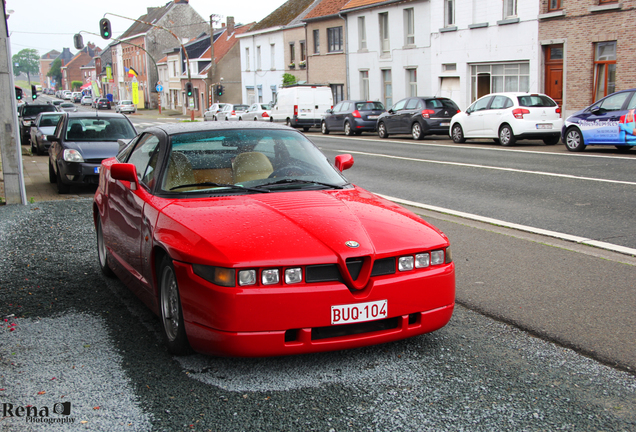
x: 177, y: 128
x: 97, y: 115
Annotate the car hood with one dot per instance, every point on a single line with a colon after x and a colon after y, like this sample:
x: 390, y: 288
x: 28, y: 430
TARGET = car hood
x: 94, y: 149
x: 292, y: 228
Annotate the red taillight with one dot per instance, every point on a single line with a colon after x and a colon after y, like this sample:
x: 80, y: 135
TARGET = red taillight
x: 264, y: 114
x: 558, y: 110
x: 233, y: 112
x: 295, y: 110
x: 519, y: 112
x: 427, y: 113
x: 356, y: 114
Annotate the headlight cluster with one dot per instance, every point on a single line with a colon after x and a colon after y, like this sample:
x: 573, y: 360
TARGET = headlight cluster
x: 227, y: 277
x: 72, y: 155
x: 426, y: 259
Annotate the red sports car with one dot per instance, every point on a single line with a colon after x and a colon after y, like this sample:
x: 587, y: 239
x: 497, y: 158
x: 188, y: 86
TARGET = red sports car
x: 246, y: 241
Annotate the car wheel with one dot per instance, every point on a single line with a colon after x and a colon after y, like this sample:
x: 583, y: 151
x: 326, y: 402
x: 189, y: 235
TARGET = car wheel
x: 102, y: 253
x: 506, y: 136
x: 323, y: 128
x: 171, y: 312
x: 288, y: 122
x: 305, y: 129
x: 416, y: 131
x: 62, y: 188
x: 574, y: 140
x: 458, y: 134
x: 496, y: 141
x: 347, y: 129
x: 34, y: 149
x: 382, y: 133
x: 52, y: 176
x: 551, y: 140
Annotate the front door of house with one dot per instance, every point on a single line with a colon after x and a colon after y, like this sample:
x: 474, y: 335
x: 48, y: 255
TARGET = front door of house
x: 554, y: 72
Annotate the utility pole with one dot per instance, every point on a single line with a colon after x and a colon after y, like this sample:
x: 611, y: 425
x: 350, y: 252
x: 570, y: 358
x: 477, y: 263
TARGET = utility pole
x: 14, y: 190
x: 212, y: 69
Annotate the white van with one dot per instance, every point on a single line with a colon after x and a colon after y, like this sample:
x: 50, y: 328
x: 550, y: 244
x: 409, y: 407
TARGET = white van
x: 302, y: 105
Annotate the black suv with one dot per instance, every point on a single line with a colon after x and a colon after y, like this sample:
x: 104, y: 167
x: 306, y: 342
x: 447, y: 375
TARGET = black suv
x: 28, y: 113
x: 418, y: 116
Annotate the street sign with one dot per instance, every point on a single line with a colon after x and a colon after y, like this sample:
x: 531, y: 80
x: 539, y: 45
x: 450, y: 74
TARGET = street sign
x: 159, y: 88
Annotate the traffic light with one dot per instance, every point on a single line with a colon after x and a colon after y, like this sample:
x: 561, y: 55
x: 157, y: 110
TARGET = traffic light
x: 18, y: 93
x: 104, y: 28
x: 219, y: 89
x: 188, y: 89
x: 78, y: 41
x: 34, y: 92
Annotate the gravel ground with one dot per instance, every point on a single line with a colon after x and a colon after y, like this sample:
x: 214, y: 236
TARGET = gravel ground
x: 78, y: 337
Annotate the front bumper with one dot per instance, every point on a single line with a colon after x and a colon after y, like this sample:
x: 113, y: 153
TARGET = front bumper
x: 286, y: 320
x: 79, y: 173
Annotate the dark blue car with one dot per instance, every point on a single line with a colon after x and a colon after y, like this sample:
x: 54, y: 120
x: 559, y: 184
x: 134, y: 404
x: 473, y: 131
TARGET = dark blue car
x: 609, y: 121
x: 352, y: 117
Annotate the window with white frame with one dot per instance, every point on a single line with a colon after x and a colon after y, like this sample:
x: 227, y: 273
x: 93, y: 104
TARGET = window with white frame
x: 247, y: 59
x: 272, y: 54
x: 409, y: 27
x: 385, y: 46
x: 449, y: 13
x: 364, y: 85
x: 387, y: 88
x: 497, y: 78
x: 316, y: 41
x: 510, y: 8
x: 258, y: 57
x: 362, y: 33
x: 411, y: 79
x: 337, y: 91
x: 334, y: 39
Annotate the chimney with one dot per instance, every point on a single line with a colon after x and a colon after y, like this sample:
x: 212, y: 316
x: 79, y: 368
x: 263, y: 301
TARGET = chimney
x: 230, y: 25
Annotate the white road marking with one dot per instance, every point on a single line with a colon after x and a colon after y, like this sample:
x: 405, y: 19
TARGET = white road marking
x: 491, y: 168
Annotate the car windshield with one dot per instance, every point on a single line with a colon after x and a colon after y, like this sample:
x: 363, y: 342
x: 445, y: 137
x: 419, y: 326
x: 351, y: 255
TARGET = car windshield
x: 126, y: 102
x: 536, y: 101
x: 49, y: 119
x: 240, y: 107
x: 231, y: 161
x: 98, y: 129
x: 103, y: 100
x: 33, y: 110
x: 67, y: 105
x: 369, y: 106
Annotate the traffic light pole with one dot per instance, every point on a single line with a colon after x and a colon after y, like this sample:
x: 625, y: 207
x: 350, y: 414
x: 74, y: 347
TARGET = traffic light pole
x: 10, y: 148
x: 174, y: 35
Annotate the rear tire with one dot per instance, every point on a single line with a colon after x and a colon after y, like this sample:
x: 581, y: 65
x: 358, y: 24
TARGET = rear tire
x: 170, y: 310
x: 416, y: 131
x: 506, y: 136
x: 551, y: 140
x: 457, y: 133
x: 382, y: 133
x: 347, y: 129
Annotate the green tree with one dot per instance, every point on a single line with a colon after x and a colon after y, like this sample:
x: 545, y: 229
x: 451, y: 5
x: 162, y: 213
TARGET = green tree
x: 27, y: 61
x: 55, y: 72
x: 75, y: 85
x: 288, y: 79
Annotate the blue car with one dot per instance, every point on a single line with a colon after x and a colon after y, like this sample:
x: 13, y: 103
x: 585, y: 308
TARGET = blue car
x: 609, y: 121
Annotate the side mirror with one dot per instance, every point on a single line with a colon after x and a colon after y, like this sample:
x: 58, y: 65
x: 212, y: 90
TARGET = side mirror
x: 596, y: 109
x: 124, y: 172
x: 51, y: 138
x: 329, y: 111
x: 344, y: 162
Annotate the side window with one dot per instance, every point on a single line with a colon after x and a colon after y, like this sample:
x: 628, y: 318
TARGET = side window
x: 144, y: 158
x: 481, y: 104
x: 412, y: 104
x: 632, y: 103
x: 400, y: 105
x: 337, y: 108
x: 614, y: 102
x: 500, y: 102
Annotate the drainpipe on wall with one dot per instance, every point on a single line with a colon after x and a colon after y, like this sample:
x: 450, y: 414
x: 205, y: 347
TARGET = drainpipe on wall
x: 346, y: 51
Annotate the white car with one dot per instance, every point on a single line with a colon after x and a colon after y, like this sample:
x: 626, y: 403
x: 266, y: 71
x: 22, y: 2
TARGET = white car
x: 257, y: 112
x: 67, y: 95
x: 210, y: 114
x: 87, y: 100
x: 508, y: 117
x: 231, y: 112
x: 126, y: 106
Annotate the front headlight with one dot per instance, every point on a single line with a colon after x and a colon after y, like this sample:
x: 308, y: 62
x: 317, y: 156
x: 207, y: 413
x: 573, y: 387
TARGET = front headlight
x: 26, y: 123
x: 72, y: 155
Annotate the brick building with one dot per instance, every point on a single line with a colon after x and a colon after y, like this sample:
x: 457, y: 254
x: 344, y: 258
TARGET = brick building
x: 587, y: 49
x: 72, y: 71
x: 45, y: 66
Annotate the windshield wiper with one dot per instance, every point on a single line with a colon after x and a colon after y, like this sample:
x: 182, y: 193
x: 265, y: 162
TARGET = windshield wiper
x: 292, y: 181
x: 231, y: 186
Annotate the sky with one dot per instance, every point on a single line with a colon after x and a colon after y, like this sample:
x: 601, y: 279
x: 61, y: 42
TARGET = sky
x: 47, y: 25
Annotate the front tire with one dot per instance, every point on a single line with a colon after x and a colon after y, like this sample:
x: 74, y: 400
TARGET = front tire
x: 382, y: 133
x: 506, y: 137
x: 416, y: 131
x: 323, y: 128
x: 458, y: 134
x: 102, y: 252
x: 623, y: 148
x: 574, y: 140
x: 52, y: 175
x: 171, y: 312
